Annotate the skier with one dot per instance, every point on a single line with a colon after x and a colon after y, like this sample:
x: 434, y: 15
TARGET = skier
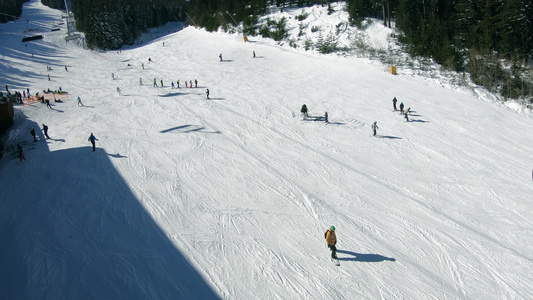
x: 186, y: 83
x: 331, y: 240
x: 178, y: 82
x: 7, y: 89
x: 92, y: 139
x: 190, y: 83
x: 405, y: 114
x: 161, y: 82
x: 326, y: 117
x: 149, y: 60
x: 20, y: 152
x: 375, y: 127
x: 394, y: 103
x: 47, y: 103
x: 207, y: 93
x: 304, y: 111
x: 220, y: 56
x: 254, y: 53
x: 155, y: 82
x: 32, y: 131
x: 195, y: 83
x: 140, y: 81
x: 48, y: 77
x: 45, y: 129
x: 172, y: 83
x: 401, y: 108
x: 142, y: 65
x: 79, y: 102
x: 119, y: 92
x: 66, y: 69
x: 113, y: 76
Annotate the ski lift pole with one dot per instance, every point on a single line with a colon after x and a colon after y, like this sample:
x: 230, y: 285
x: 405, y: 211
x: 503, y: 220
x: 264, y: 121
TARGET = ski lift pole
x: 237, y: 26
x: 190, y: 19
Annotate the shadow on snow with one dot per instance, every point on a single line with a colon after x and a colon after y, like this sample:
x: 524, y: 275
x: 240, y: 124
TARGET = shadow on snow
x: 189, y: 128
x: 363, y: 257
x: 77, y: 231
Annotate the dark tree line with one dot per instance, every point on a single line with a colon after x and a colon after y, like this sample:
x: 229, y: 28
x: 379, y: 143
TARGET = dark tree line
x: 10, y: 10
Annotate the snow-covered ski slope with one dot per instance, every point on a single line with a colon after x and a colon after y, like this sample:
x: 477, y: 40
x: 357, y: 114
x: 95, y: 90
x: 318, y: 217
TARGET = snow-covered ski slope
x: 189, y: 198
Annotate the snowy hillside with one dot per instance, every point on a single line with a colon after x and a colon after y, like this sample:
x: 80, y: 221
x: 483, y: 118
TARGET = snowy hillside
x: 228, y: 198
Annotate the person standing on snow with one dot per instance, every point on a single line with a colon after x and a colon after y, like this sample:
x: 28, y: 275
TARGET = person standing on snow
x: 375, y: 127
x: 172, y: 83
x: 220, y: 56
x: 394, y: 103
x: 79, y: 102
x: 155, y: 82
x: 32, y: 131
x: 93, y: 140
x: 331, y: 240
x: 401, y: 107
x: 140, y: 81
x: 20, y: 152
x: 195, y: 83
x: 326, y: 117
x: 161, y: 82
x: 304, y: 111
x: 45, y: 130
x: 207, y: 93
x: 178, y: 83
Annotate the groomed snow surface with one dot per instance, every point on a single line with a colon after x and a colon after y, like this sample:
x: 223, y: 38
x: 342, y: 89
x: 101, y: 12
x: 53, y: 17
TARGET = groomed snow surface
x: 189, y: 198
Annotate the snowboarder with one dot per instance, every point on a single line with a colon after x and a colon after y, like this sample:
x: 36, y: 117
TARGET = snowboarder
x: 79, y: 102
x: 195, y: 83
x: 45, y: 130
x: 20, y: 153
x: 394, y: 100
x: 92, y: 139
x: 375, y: 127
x: 401, y: 108
x: 331, y: 240
x: 48, y: 103
x: 304, y: 111
x: 326, y: 117
x: 220, y: 56
x: 207, y: 93
x: 119, y: 92
x: 32, y: 131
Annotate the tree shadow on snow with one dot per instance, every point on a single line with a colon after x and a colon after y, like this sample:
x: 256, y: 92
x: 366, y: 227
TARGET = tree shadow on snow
x: 189, y: 128
x: 170, y: 95
x: 363, y: 257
